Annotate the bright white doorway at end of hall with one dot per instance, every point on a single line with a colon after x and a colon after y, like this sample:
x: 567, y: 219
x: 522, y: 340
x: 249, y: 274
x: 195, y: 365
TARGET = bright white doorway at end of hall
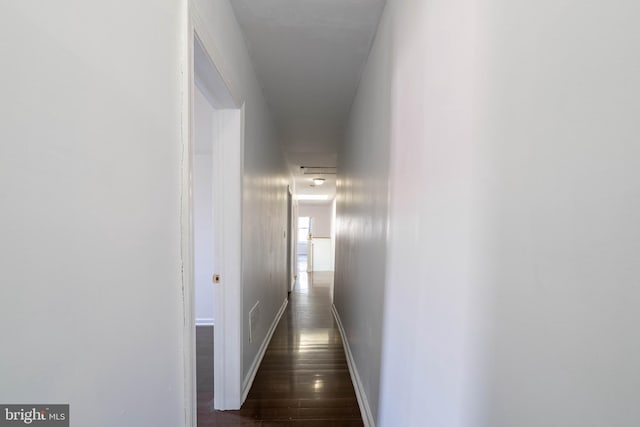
x: 303, y: 246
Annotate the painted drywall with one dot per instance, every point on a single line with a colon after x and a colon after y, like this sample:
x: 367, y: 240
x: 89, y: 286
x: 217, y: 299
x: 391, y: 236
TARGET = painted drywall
x: 309, y: 55
x: 558, y: 186
x: 361, y: 225
x: 203, y: 240
x: 322, y: 217
x: 265, y: 180
x: 203, y: 234
x: 428, y: 374
x: 91, y: 309
x: 510, y: 296
x: 321, y: 254
x: 333, y: 235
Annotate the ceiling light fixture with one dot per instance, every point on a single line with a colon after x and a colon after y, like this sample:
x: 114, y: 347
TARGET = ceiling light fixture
x: 318, y: 181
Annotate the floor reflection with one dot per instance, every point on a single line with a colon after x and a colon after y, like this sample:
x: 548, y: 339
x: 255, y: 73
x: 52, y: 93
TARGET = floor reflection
x: 311, y: 340
x: 303, y: 276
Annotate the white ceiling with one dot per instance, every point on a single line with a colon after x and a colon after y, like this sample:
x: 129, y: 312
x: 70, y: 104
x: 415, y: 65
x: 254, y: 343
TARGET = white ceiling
x: 308, y: 55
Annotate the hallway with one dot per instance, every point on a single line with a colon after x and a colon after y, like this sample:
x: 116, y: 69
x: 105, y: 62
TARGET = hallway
x: 481, y: 159
x: 303, y: 379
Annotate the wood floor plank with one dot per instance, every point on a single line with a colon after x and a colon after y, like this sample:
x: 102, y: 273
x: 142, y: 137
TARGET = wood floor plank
x: 303, y: 379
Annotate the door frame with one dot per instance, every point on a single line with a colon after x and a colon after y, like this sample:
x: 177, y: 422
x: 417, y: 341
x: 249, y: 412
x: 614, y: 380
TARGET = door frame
x: 290, y: 241
x: 228, y: 154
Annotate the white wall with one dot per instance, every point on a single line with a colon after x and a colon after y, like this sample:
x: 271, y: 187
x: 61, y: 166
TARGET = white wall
x: 511, y: 290
x: 203, y: 233
x: 333, y: 235
x: 559, y: 183
x: 321, y: 254
x: 361, y: 224
x: 322, y: 217
x: 265, y: 179
x: 91, y: 305
x: 429, y: 369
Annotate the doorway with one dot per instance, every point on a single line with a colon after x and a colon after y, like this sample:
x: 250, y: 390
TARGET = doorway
x: 290, y: 241
x: 304, y: 255
x: 211, y: 235
x: 204, y: 236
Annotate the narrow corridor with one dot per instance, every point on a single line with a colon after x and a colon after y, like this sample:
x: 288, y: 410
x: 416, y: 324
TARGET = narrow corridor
x: 303, y: 379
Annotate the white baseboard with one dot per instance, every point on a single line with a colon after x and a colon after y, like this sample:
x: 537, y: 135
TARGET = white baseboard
x: 205, y: 322
x: 248, y: 381
x: 363, y: 403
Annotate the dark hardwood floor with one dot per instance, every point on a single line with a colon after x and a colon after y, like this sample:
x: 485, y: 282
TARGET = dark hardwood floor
x: 303, y: 379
